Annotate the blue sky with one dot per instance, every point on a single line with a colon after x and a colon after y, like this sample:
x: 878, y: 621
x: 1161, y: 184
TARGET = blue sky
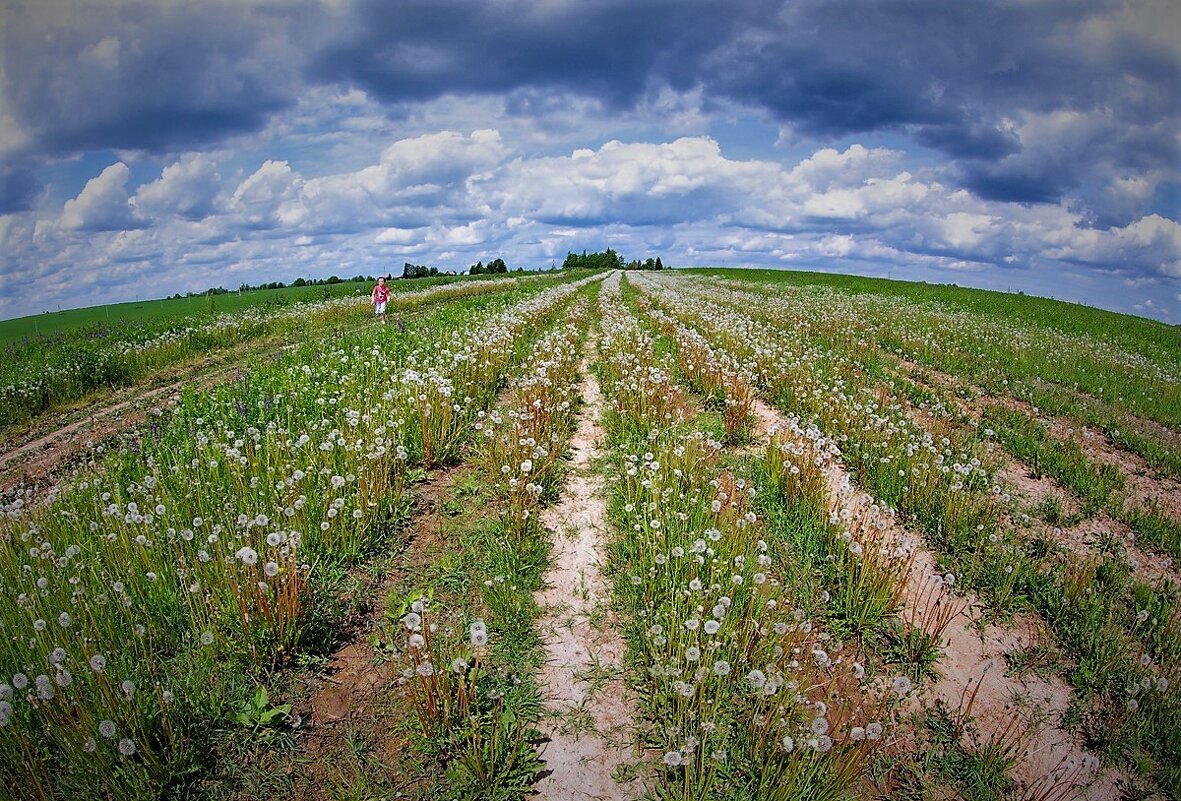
x: 155, y: 147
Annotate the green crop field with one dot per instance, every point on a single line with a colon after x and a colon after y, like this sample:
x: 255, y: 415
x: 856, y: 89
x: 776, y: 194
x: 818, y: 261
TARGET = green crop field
x: 173, y: 310
x: 1137, y: 333
x: 710, y: 535
x: 56, y: 359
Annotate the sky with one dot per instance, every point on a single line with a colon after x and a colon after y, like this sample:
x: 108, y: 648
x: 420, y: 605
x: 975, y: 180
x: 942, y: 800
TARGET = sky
x: 148, y: 148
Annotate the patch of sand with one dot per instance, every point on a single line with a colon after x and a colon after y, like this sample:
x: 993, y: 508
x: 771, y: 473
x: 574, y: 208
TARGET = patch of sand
x: 589, y: 710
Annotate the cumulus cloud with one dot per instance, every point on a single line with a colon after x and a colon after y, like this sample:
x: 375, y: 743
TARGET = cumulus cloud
x: 416, y: 181
x: 644, y: 184
x: 1031, y: 102
x: 102, y: 205
x: 187, y: 187
x: 267, y: 198
x: 1151, y: 245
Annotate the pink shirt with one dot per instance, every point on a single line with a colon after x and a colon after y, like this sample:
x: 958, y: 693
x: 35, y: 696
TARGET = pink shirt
x: 381, y: 294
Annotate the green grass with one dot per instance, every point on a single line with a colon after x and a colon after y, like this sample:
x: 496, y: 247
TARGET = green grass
x: 1005, y: 344
x: 1140, y: 334
x: 1029, y: 440
x: 45, y: 372
x: 1091, y: 603
x: 213, y: 624
x: 172, y: 310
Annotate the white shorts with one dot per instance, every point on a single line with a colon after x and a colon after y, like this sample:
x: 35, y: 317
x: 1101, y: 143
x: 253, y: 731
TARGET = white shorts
x: 379, y: 308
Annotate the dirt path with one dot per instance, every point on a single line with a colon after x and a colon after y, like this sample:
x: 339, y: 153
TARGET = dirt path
x: 358, y: 689
x: 588, y: 709
x: 973, y: 656
x: 1082, y: 537
x: 36, y: 458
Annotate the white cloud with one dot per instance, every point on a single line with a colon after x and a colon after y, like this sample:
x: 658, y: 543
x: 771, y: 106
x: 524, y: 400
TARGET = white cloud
x: 397, y: 236
x: 828, y: 168
x: 681, y: 180
x: 1151, y: 245
x: 187, y: 187
x: 439, y: 158
x: 102, y: 205
x: 449, y: 198
x: 963, y: 229
x: 263, y: 199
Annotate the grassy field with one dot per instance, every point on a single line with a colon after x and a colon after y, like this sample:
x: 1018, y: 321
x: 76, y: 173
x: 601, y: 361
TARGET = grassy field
x: 45, y: 371
x: 174, y: 310
x: 1140, y: 334
x: 679, y: 535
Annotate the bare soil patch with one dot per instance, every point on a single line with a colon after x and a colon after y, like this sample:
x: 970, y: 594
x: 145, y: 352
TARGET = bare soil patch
x: 1145, y: 486
x: 358, y: 691
x: 972, y: 665
x: 589, y: 715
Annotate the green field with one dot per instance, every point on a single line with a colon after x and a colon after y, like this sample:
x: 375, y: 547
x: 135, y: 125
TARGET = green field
x: 168, y: 310
x: 714, y: 535
x: 1141, y: 334
x: 70, y: 355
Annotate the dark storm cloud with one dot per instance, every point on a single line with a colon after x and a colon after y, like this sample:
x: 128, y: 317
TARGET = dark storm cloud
x: 89, y: 75
x: 955, y: 76
x: 611, y: 50
x: 86, y: 76
x: 1020, y: 181
x: 18, y: 189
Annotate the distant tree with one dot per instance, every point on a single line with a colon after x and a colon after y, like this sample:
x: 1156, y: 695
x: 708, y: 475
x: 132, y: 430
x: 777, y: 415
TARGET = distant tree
x: 418, y: 270
x: 610, y: 260
x: 477, y: 268
x: 299, y: 282
x: 659, y: 265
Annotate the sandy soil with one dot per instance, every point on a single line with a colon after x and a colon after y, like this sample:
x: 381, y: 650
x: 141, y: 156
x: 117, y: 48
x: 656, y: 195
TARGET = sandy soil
x: 1144, y: 484
x: 589, y: 710
x: 1085, y: 536
x: 973, y: 656
x: 1150, y: 567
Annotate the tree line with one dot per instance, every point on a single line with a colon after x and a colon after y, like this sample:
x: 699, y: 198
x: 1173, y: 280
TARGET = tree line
x: 610, y: 260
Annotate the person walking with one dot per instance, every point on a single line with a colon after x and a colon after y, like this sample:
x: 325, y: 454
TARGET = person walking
x: 381, y: 296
